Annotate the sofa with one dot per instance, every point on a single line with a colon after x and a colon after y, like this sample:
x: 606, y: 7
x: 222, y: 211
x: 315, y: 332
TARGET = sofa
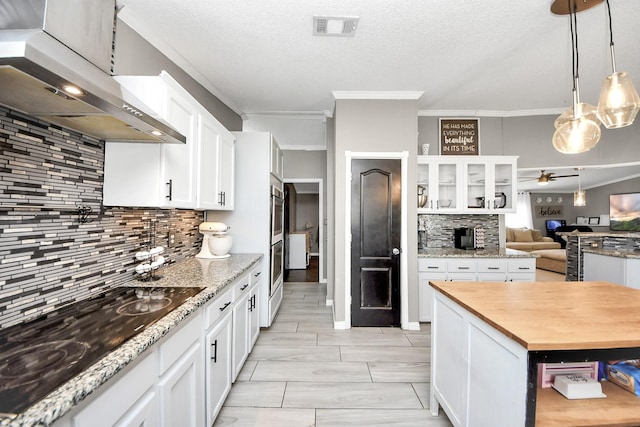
x: 524, y: 239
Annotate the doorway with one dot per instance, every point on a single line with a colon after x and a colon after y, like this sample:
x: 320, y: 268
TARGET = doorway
x: 304, y: 228
x: 376, y: 219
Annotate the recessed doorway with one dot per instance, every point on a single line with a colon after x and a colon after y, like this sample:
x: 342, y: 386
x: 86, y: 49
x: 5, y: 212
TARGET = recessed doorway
x: 303, y: 231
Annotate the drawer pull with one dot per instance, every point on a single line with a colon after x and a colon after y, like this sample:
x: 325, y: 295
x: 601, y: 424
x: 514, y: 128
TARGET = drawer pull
x: 524, y: 268
x: 244, y: 287
x: 225, y: 306
x: 432, y: 267
x: 463, y: 268
x: 494, y: 268
x: 257, y: 274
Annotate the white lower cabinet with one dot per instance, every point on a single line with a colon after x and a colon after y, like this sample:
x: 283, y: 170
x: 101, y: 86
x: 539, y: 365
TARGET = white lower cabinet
x: 129, y: 401
x: 218, y: 366
x: 621, y: 270
x: 240, y: 333
x: 470, y: 269
x: 254, y: 315
x: 180, y: 391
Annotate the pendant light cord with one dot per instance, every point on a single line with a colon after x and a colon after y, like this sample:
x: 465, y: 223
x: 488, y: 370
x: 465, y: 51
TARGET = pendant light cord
x: 610, y: 25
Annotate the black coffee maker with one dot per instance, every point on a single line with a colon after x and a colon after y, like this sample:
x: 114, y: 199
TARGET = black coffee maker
x: 464, y: 238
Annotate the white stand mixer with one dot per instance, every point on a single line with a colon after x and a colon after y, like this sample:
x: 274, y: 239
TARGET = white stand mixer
x: 216, y: 243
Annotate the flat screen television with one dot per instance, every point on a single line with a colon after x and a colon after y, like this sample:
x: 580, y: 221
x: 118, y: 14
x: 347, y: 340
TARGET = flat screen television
x: 552, y: 224
x: 624, y: 212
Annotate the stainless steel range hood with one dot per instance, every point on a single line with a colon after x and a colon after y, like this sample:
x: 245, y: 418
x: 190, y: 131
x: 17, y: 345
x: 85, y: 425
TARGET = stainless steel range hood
x: 46, y: 45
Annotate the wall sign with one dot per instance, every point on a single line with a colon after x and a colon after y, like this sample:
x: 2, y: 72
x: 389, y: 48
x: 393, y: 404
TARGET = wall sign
x: 459, y: 137
x: 549, y: 211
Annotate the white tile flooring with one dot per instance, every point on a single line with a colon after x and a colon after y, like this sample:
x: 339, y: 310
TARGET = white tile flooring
x: 302, y: 372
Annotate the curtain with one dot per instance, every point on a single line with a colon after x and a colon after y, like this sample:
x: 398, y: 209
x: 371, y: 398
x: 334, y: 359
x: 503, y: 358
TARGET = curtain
x: 522, y: 218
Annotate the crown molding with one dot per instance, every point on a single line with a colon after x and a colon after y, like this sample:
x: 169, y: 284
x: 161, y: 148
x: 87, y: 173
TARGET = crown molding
x: 490, y: 113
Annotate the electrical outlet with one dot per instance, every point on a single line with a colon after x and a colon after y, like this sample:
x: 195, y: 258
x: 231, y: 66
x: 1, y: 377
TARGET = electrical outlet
x: 172, y: 239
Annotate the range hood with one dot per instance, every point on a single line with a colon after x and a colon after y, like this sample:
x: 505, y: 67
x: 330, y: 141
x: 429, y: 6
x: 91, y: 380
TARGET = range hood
x: 47, y: 46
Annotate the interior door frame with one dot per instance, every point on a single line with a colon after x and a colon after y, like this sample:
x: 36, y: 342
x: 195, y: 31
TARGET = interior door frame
x: 404, y: 279
x: 321, y: 276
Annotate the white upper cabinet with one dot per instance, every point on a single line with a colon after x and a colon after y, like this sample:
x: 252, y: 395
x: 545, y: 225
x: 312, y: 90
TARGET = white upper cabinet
x: 277, y: 160
x: 468, y: 184
x: 439, y: 177
x: 490, y: 184
x: 195, y: 175
x: 215, y: 176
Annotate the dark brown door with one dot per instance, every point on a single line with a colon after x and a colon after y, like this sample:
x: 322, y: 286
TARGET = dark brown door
x: 375, y: 242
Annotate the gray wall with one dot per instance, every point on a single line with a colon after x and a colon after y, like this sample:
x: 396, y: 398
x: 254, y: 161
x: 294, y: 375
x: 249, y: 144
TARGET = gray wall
x: 135, y: 56
x: 373, y: 126
x: 530, y: 139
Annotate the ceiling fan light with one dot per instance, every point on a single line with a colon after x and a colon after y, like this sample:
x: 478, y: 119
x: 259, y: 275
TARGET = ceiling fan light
x: 619, y: 102
x: 583, y: 109
x: 576, y: 136
x: 579, y: 198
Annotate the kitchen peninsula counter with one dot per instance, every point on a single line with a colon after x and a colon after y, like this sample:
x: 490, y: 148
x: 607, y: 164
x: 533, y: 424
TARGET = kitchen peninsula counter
x: 478, y: 253
x: 506, y: 329
x: 212, y: 274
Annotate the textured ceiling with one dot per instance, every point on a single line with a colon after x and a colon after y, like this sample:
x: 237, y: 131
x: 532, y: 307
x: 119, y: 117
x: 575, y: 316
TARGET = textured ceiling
x: 471, y: 57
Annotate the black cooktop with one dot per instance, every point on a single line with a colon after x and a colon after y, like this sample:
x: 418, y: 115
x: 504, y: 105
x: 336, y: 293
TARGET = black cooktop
x: 39, y: 356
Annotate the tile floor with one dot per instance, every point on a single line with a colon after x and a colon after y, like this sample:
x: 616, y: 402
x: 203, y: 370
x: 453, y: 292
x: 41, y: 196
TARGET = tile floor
x: 302, y: 372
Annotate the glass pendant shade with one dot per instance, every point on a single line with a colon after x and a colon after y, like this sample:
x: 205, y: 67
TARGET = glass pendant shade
x: 619, y: 102
x: 579, y: 198
x: 583, y: 109
x: 576, y: 136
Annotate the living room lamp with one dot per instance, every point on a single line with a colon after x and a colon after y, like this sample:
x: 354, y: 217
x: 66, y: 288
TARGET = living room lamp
x: 579, y: 197
x: 579, y: 133
x: 619, y: 102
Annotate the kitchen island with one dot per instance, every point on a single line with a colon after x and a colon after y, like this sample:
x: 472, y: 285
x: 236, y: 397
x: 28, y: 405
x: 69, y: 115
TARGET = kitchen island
x: 487, y: 343
x: 215, y: 276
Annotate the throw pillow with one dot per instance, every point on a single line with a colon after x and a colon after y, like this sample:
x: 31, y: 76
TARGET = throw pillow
x: 536, y: 235
x: 522, y: 235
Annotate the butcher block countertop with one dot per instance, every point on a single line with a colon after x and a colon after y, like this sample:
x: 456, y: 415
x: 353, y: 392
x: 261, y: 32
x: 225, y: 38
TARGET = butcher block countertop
x: 553, y: 315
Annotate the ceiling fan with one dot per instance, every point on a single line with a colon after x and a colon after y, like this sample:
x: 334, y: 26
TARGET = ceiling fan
x: 546, y: 178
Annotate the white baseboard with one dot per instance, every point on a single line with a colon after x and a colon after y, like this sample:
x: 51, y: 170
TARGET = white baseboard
x: 340, y: 325
x: 411, y: 326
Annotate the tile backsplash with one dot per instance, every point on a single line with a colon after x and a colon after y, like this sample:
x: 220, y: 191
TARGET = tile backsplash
x: 439, y: 228
x: 48, y: 256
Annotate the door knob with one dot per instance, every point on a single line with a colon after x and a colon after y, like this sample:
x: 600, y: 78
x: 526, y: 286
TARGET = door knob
x: 395, y: 251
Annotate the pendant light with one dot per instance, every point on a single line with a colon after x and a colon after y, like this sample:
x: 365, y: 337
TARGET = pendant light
x: 579, y: 197
x: 576, y: 132
x: 619, y: 101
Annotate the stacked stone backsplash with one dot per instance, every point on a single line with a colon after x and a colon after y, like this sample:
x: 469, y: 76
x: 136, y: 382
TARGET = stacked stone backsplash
x: 439, y: 228
x: 48, y: 256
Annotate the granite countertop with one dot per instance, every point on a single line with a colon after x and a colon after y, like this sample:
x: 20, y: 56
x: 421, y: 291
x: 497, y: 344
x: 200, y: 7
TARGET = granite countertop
x: 478, y: 253
x: 628, y: 234
x: 214, y: 274
x: 613, y: 252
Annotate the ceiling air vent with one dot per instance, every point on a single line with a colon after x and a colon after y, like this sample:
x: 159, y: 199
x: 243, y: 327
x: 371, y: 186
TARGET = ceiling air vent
x: 344, y: 26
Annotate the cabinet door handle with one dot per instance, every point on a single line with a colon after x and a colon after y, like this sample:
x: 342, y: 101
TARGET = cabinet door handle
x: 215, y: 351
x: 170, y: 184
x: 253, y: 301
x: 225, y: 306
x: 244, y: 287
x: 222, y: 200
